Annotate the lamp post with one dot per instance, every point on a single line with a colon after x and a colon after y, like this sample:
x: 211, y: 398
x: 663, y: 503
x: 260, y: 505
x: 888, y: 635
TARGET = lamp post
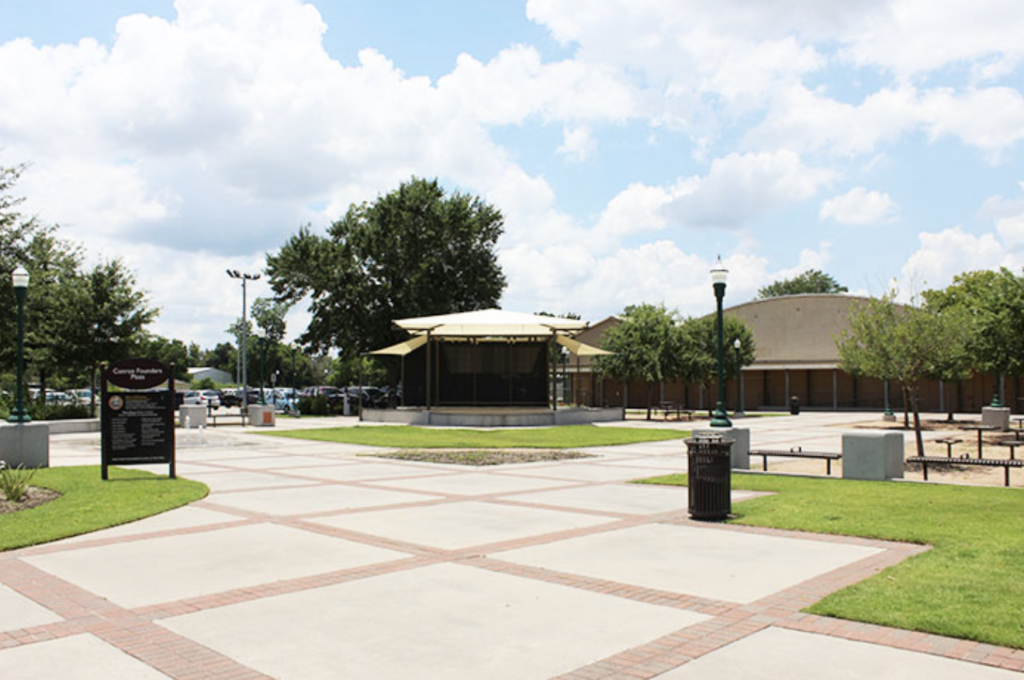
x: 245, y: 278
x: 719, y: 274
x: 19, y: 279
x: 737, y: 345
x: 262, y: 335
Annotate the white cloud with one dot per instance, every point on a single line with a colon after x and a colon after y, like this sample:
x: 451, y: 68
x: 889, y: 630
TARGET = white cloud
x: 944, y: 254
x: 740, y: 188
x: 578, y: 143
x: 859, y: 206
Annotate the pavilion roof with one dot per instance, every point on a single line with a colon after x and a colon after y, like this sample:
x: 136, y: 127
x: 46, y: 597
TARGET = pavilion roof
x: 492, y: 323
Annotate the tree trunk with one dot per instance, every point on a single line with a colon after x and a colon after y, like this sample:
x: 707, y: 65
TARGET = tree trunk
x: 42, y: 385
x: 650, y: 393
x: 917, y: 422
x: 906, y: 407
x: 949, y: 402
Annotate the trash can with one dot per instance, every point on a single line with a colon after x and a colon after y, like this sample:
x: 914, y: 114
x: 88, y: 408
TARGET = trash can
x: 794, y: 406
x: 709, y: 481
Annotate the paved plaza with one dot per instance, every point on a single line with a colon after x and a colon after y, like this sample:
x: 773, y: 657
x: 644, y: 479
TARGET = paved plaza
x: 309, y: 560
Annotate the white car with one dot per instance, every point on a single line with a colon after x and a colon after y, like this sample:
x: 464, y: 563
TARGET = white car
x: 208, y: 398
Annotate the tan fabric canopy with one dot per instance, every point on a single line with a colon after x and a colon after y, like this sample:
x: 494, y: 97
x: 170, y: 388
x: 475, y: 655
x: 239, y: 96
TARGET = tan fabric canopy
x: 491, y: 322
x: 402, y: 348
x: 580, y: 349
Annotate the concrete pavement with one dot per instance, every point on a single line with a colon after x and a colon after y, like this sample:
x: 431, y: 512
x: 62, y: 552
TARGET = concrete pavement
x: 311, y: 561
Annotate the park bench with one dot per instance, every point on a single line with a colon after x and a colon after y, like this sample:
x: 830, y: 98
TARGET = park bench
x: 797, y: 452
x: 925, y: 461
x: 668, y: 407
x: 212, y: 417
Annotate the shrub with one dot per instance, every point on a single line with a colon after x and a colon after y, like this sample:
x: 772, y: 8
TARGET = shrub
x: 14, y: 481
x: 58, y: 411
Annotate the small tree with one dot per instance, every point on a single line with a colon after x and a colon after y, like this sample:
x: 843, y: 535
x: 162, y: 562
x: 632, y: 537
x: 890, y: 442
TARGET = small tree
x: 994, y: 303
x: 647, y: 345
x: 811, y: 281
x: 900, y: 343
x: 700, y: 350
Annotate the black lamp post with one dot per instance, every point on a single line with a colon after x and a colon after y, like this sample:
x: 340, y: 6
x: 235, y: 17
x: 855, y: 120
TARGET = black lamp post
x: 719, y: 274
x: 19, y: 279
x: 737, y: 345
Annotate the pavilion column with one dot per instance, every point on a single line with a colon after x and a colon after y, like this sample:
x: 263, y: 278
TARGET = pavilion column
x: 427, y: 385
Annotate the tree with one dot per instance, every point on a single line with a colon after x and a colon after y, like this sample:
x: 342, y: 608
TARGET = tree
x: 413, y: 252
x: 994, y: 302
x: 269, y: 315
x: 811, y: 281
x: 900, y: 343
x: 110, y: 320
x: 700, y: 349
x: 647, y: 345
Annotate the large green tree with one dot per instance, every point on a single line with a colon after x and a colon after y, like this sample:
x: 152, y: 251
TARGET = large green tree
x: 901, y: 343
x: 413, y: 252
x: 810, y: 281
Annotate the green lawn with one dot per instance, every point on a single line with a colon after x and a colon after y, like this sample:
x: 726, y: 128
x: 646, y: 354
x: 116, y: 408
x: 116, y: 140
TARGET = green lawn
x: 563, y: 437
x: 970, y: 585
x: 88, y: 503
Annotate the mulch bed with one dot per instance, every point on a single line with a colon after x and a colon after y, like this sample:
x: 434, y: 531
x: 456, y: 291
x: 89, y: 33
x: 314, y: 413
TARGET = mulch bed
x: 34, y: 497
x: 477, y: 457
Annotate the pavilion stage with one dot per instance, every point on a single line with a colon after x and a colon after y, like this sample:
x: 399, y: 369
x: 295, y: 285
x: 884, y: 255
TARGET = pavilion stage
x: 493, y: 416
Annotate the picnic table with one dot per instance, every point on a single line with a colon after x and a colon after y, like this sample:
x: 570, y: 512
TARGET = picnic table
x: 981, y: 429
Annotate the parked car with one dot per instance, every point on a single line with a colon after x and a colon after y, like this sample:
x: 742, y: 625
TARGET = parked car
x: 208, y: 398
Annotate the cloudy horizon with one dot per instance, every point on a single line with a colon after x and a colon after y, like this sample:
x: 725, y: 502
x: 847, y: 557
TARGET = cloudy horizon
x: 627, y: 144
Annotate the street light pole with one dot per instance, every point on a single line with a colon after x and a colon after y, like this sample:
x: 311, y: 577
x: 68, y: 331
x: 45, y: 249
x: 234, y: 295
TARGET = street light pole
x: 737, y: 345
x: 19, y: 279
x: 261, y: 334
x: 719, y: 274
x: 245, y: 278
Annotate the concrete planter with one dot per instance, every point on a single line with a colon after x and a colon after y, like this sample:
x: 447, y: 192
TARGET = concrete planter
x: 25, y: 444
x: 873, y: 455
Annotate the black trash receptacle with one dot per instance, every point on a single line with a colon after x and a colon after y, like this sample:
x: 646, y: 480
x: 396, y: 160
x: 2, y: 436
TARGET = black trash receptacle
x: 794, y: 406
x: 709, y: 481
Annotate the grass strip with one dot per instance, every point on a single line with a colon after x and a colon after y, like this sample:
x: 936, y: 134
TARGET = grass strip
x: 968, y: 586
x: 87, y: 503
x: 562, y: 437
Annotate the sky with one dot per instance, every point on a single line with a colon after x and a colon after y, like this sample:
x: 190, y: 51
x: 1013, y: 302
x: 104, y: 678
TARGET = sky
x: 628, y: 143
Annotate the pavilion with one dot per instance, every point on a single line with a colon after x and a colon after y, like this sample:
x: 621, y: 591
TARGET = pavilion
x: 486, y: 368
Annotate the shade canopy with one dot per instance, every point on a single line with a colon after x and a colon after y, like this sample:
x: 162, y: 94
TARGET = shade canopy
x: 402, y: 348
x: 491, y: 322
x: 581, y: 349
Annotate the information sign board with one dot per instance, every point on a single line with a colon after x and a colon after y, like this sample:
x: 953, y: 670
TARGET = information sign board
x: 137, y: 421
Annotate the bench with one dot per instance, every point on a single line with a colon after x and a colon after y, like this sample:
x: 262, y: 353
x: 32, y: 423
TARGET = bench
x: 212, y: 417
x: 672, y: 407
x: 797, y: 452
x: 984, y: 462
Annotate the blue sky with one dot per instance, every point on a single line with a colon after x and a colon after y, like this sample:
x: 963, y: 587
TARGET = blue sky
x: 627, y: 144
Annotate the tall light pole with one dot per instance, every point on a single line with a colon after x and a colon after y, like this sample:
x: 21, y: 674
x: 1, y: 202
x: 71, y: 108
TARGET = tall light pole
x: 718, y: 276
x: 262, y: 335
x: 245, y: 278
x: 19, y: 279
x: 737, y: 345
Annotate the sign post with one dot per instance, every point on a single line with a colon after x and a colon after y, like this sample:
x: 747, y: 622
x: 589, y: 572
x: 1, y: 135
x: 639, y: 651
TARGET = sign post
x: 137, y: 421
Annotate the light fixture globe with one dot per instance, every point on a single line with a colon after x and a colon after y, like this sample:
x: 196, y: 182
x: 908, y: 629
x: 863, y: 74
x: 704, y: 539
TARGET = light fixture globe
x: 19, y: 277
x: 737, y: 345
x: 719, y: 273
